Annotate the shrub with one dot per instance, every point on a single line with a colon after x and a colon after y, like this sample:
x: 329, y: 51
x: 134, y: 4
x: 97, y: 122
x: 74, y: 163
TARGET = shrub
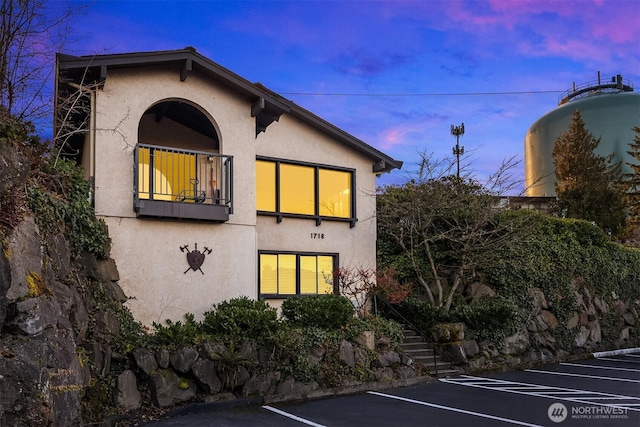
x: 241, y: 318
x: 291, y: 347
x: 417, y: 311
x: 488, y: 317
x: 322, y: 311
x: 379, y: 325
x: 176, y: 334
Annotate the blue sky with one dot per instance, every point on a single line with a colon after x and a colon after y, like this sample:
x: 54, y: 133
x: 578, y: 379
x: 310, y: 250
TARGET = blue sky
x: 396, y: 74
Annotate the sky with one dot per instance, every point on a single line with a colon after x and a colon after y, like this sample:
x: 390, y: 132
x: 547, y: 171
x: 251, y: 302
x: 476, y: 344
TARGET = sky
x: 395, y: 74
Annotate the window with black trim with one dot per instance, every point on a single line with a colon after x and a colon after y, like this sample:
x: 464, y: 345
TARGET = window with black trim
x: 301, y: 189
x: 284, y: 274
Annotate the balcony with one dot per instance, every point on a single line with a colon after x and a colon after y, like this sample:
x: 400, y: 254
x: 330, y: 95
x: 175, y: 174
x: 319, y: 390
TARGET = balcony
x: 182, y: 184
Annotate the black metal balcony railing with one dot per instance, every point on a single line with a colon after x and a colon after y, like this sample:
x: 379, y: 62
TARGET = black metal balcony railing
x: 182, y: 184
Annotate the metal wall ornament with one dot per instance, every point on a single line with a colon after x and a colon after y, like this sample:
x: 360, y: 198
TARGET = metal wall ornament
x: 195, y: 258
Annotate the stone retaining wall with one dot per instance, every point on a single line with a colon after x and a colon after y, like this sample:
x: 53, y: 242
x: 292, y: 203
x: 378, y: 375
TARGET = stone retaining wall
x: 595, y: 325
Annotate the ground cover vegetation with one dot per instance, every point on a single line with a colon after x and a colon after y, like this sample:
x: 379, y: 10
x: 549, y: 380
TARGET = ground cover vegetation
x: 449, y: 234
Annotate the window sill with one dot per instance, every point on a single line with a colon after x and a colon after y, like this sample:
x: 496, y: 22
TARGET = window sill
x: 318, y: 219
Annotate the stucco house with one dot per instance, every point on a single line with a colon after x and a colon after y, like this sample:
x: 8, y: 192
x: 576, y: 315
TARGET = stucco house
x: 214, y: 187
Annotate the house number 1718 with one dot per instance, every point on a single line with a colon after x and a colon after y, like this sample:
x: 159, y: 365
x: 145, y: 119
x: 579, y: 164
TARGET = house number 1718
x: 317, y: 235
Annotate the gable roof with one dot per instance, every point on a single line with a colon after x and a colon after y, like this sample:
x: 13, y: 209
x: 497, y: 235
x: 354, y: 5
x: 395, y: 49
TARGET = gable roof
x: 267, y: 106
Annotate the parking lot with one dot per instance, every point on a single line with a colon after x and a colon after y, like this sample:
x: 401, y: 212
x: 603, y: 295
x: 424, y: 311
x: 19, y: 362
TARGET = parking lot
x: 603, y: 391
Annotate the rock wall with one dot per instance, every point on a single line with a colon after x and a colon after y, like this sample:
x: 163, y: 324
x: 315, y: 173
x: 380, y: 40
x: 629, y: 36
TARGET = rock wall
x: 54, y: 333
x: 214, y: 372
x: 59, y: 337
x: 598, y: 323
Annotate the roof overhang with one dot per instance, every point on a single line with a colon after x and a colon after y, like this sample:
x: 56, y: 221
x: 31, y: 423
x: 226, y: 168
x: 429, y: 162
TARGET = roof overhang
x: 266, y: 105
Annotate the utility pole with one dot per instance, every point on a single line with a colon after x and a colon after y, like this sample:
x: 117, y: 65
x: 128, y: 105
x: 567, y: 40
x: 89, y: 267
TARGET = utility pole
x: 458, y: 131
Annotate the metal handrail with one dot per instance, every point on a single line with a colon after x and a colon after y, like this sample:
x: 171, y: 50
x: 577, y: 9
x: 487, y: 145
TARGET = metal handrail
x: 408, y: 324
x: 617, y: 84
x: 212, y: 182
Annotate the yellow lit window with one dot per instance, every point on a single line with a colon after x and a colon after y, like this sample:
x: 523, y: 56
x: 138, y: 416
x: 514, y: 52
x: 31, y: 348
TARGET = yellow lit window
x: 287, y: 188
x: 268, y: 274
x: 308, y: 275
x: 297, y: 188
x: 287, y: 274
x: 325, y: 274
x: 296, y: 274
x: 265, y: 186
x: 316, y: 273
x: 335, y: 193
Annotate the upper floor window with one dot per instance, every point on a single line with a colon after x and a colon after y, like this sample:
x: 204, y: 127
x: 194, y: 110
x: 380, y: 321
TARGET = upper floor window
x: 301, y: 189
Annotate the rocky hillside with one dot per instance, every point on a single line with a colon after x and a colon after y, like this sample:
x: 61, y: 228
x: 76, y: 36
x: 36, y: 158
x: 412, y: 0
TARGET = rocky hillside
x: 60, y: 304
x: 70, y: 351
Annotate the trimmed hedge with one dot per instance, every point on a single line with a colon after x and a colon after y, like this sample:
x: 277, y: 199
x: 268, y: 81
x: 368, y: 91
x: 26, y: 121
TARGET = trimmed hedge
x: 322, y: 311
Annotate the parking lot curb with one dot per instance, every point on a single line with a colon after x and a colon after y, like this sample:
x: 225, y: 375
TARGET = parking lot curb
x: 616, y: 352
x: 226, y: 405
x: 343, y: 391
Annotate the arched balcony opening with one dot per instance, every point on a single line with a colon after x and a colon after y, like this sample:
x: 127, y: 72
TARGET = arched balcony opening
x: 179, y: 171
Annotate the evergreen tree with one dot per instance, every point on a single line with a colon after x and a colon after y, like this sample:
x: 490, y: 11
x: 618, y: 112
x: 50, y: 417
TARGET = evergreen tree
x: 587, y: 185
x: 633, y: 179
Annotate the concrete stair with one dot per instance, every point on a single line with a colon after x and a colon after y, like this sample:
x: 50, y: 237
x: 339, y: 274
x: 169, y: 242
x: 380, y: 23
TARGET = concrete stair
x: 422, y: 352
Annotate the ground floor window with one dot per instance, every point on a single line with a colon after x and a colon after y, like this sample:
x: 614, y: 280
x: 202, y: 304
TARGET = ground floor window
x: 285, y: 274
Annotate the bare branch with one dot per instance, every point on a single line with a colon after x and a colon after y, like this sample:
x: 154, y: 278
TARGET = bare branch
x: 447, y: 227
x: 31, y: 32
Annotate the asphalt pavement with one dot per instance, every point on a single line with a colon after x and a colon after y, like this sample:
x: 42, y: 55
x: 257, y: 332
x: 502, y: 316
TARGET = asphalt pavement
x: 600, y: 392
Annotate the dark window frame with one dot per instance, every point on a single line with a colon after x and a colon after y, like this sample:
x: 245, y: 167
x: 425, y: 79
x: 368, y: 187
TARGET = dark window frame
x: 298, y: 254
x: 317, y: 217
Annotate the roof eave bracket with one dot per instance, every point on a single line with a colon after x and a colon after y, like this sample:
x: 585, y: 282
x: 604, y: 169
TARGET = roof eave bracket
x: 187, y: 67
x: 380, y: 166
x: 266, y: 113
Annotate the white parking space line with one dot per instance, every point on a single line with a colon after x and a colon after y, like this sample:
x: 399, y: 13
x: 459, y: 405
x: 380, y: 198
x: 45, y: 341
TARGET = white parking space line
x: 580, y: 365
x: 618, y: 360
x: 595, y: 377
x: 632, y: 355
x: 558, y: 393
x: 449, y: 408
x: 293, y: 417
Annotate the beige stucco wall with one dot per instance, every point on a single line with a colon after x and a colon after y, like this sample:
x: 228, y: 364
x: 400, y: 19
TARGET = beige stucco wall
x: 290, y: 139
x: 147, y: 252
x: 356, y: 247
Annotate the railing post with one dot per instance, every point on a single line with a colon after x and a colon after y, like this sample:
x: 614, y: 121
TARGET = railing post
x: 151, y: 170
x: 229, y: 183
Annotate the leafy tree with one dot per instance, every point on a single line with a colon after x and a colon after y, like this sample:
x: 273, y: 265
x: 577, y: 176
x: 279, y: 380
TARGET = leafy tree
x: 588, y: 186
x: 633, y: 179
x: 438, y: 229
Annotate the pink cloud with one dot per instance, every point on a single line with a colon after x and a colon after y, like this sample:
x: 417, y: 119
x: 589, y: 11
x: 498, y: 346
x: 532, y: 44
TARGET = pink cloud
x: 391, y: 138
x: 401, y: 135
x: 573, y: 29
